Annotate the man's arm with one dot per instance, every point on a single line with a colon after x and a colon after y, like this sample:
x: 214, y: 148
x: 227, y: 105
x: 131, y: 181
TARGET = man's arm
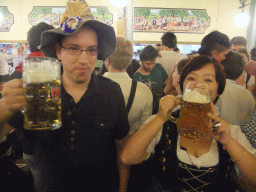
x: 13, y: 100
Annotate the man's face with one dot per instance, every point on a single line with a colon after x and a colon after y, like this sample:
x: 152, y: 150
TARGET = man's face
x: 78, y: 68
x: 148, y: 65
x: 19, y: 49
x: 158, y: 47
x: 220, y: 56
x: 237, y: 47
x: 4, y: 49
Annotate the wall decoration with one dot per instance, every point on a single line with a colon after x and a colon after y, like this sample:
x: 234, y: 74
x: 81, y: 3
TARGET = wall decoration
x: 6, y: 19
x: 174, y: 20
x: 52, y: 15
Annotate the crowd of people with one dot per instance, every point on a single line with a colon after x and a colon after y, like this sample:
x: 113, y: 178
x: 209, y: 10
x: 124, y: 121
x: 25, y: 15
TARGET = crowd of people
x: 116, y: 131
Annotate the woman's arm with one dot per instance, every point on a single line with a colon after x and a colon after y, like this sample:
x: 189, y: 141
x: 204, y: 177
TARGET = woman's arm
x: 135, y: 149
x: 243, y: 159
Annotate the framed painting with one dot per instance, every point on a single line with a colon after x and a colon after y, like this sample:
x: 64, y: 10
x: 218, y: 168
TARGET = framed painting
x: 175, y: 20
x: 6, y: 19
x: 52, y: 15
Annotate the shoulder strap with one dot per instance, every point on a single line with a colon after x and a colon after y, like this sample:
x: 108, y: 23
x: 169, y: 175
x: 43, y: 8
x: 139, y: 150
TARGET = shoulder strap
x: 131, y: 97
x: 247, y: 80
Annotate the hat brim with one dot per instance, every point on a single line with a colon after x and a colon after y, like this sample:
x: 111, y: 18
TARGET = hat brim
x: 106, y: 38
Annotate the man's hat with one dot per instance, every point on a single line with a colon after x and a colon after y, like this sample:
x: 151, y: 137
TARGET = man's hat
x: 78, y: 14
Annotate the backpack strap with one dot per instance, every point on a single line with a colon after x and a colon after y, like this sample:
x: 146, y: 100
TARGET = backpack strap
x: 131, y: 97
x: 247, y: 80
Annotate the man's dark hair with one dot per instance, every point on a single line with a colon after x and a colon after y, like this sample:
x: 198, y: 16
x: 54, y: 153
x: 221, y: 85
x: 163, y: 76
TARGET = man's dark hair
x: 34, y: 35
x: 149, y: 53
x: 244, y: 51
x: 253, y: 54
x: 234, y: 65
x: 158, y: 44
x: 239, y: 40
x: 169, y: 40
x: 214, y: 41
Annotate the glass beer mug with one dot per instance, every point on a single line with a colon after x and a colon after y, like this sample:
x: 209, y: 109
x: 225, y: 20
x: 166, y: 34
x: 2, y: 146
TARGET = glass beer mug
x: 193, y: 122
x: 42, y: 85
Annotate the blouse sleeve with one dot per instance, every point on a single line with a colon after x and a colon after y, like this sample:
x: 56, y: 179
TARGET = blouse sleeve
x: 155, y: 140
x: 240, y: 137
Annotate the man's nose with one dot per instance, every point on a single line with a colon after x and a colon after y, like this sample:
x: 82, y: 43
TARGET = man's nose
x: 83, y: 57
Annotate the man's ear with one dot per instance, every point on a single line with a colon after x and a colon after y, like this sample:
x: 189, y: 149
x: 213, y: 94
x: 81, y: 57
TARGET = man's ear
x: 58, y: 50
x: 107, y: 62
x: 213, y: 53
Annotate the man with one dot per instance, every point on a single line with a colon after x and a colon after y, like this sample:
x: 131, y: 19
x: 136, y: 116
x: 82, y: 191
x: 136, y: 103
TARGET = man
x: 152, y: 74
x: 238, y: 42
x: 216, y: 45
x: 158, y: 46
x: 169, y: 57
x: 81, y: 155
x: 142, y: 104
x: 4, y: 68
x: 34, y: 42
x: 20, y: 57
x: 236, y: 103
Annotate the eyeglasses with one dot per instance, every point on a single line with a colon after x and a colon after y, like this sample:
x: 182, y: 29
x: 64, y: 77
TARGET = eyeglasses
x: 73, y: 50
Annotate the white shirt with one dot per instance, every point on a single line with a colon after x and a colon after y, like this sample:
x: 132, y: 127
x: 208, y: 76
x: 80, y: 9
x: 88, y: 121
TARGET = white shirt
x: 168, y: 60
x: 143, y: 100
x: 4, y: 67
x: 235, y: 104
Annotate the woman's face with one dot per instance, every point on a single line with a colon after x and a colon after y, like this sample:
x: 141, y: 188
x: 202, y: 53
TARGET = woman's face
x: 205, y: 75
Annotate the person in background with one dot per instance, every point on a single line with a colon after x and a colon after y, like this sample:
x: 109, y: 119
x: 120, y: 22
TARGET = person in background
x: 20, y: 57
x: 181, y: 164
x: 152, y: 74
x: 131, y: 69
x: 176, y: 74
x: 236, y: 103
x: 83, y: 152
x: 215, y: 45
x: 238, y: 42
x: 34, y: 42
x: 168, y: 58
x: 158, y: 46
x: 4, y: 67
x: 253, y: 54
x: 249, y: 128
x: 247, y: 79
x: 141, y: 107
x: 176, y: 50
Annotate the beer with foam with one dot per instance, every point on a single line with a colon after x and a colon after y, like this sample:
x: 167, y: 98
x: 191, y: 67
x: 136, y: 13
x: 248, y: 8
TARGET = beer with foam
x: 42, y: 85
x: 193, y: 121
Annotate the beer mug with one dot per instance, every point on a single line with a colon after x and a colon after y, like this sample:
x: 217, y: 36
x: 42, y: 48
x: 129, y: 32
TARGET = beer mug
x: 42, y: 86
x: 193, y: 122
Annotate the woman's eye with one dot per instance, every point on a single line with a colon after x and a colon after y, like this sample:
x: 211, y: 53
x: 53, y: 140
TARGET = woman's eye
x: 190, y: 78
x: 208, y: 80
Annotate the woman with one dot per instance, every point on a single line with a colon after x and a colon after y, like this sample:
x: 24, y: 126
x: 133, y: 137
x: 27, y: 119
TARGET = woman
x: 178, y: 163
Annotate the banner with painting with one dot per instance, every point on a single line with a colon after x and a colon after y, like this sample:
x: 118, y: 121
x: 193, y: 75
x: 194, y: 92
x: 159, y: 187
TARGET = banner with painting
x: 6, y: 19
x: 52, y: 15
x: 174, y: 20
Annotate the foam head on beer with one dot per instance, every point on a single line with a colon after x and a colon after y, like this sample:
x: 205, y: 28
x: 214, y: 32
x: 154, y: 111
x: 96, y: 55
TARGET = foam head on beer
x: 34, y: 74
x: 196, y: 95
